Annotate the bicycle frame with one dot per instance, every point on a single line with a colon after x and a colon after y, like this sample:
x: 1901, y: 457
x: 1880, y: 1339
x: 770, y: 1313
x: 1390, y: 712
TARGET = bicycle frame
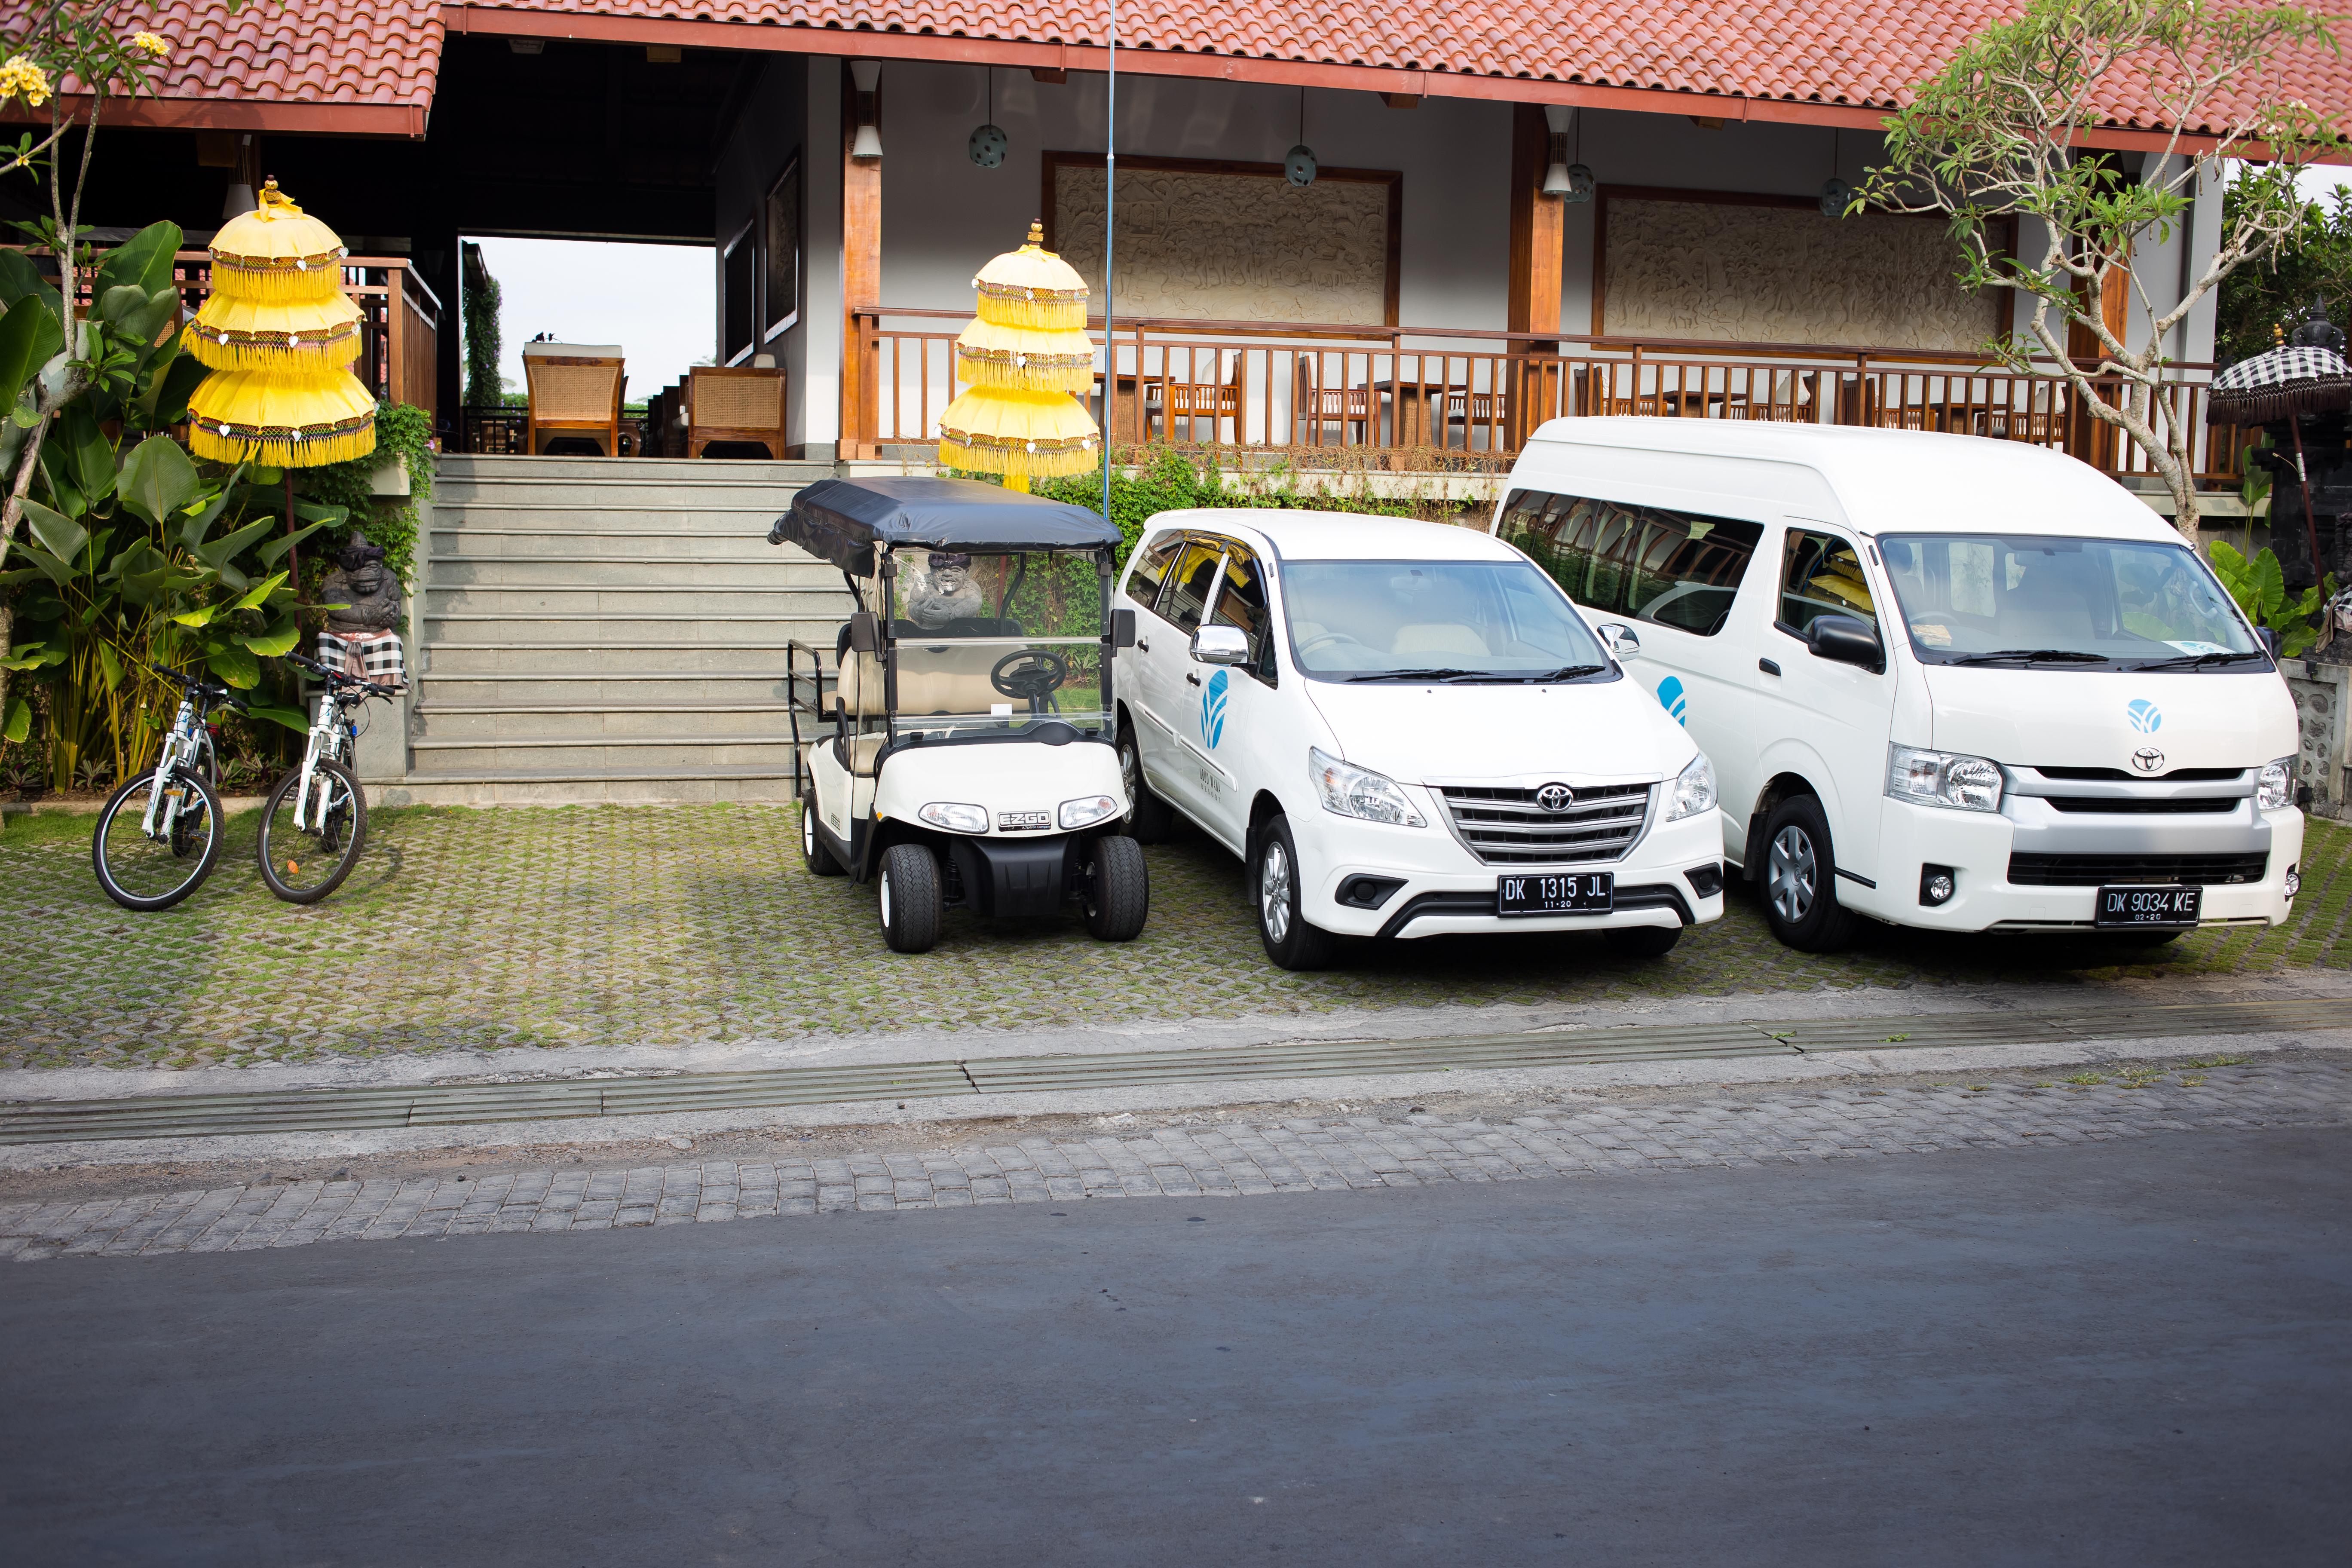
x: 331, y: 737
x: 179, y: 743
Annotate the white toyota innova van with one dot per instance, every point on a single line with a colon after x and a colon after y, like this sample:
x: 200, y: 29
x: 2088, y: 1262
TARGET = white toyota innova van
x: 1405, y: 728
x: 1944, y: 681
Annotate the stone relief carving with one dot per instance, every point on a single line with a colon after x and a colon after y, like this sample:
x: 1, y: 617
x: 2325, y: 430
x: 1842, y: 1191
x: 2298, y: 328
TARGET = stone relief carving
x: 1731, y: 272
x: 1222, y: 247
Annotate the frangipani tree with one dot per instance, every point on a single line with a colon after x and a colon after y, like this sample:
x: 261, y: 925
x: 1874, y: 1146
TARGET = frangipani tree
x: 2005, y: 131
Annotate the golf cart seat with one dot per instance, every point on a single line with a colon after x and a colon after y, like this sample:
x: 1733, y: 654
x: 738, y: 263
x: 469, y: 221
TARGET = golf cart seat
x: 949, y: 680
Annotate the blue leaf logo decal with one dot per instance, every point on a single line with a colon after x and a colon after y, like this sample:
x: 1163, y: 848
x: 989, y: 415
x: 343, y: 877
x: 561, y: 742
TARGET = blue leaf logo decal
x: 1671, y: 698
x: 1212, y: 708
x: 2145, y: 716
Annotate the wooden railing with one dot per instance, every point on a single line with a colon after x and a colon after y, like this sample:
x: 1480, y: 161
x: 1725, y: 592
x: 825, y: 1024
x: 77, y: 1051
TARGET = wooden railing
x: 1301, y: 388
x: 497, y: 429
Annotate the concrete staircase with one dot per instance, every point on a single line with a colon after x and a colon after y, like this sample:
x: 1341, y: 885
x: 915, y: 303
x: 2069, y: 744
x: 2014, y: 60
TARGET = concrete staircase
x: 601, y: 629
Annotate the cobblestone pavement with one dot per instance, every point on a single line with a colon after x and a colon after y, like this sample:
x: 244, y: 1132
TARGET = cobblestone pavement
x: 1199, y: 1159
x: 676, y: 926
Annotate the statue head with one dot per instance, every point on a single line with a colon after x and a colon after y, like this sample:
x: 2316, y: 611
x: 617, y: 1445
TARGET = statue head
x: 2316, y: 330
x: 359, y: 553
x: 941, y: 590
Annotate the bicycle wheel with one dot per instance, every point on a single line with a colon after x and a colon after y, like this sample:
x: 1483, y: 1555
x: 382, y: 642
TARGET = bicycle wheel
x: 303, y: 864
x: 140, y: 872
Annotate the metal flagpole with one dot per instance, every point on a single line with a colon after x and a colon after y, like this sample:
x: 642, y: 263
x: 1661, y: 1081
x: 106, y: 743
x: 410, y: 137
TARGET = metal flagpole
x: 1110, y: 190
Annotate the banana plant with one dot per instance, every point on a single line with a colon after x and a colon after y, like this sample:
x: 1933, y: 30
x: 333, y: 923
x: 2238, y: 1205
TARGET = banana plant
x: 2260, y: 588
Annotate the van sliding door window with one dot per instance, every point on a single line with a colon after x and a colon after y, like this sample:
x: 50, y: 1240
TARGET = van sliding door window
x: 1241, y: 605
x: 1188, y: 588
x: 1151, y: 570
x: 1822, y: 575
x: 1671, y: 568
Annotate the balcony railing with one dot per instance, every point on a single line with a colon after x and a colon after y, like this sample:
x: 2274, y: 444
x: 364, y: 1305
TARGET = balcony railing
x: 1407, y: 394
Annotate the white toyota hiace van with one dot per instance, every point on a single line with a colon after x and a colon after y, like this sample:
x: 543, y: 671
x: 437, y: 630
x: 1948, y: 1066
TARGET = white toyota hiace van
x: 1404, y: 729
x: 1944, y: 681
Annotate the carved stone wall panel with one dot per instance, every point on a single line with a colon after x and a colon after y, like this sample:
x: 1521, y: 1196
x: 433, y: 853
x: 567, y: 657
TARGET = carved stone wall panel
x: 1216, y: 246
x: 1734, y: 272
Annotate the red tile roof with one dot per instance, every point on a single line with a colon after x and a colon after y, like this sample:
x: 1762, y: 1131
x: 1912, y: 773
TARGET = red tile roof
x: 1857, y: 55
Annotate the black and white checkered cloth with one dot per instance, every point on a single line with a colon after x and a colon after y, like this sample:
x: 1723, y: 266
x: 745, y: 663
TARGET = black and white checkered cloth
x: 370, y: 656
x: 2280, y: 384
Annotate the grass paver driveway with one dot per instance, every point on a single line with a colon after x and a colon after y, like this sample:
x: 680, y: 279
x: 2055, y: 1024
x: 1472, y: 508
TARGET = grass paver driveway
x: 678, y: 925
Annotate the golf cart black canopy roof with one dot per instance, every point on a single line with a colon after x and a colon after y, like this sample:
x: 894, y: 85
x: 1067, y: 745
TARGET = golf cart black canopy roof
x: 843, y: 520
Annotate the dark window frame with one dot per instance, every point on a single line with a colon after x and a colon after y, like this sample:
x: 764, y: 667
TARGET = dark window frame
x: 1619, y: 545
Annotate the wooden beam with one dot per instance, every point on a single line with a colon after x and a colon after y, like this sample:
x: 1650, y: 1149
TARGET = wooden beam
x: 1538, y: 227
x: 1050, y: 76
x: 1401, y: 100
x: 861, y: 269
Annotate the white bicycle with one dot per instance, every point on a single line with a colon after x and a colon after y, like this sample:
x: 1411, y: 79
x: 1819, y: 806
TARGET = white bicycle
x: 160, y: 833
x: 315, y: 824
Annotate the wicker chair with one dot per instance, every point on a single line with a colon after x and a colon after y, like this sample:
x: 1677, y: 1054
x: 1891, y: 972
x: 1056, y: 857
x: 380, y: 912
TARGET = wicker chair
x: 745, y: 403
x: 575, y: 390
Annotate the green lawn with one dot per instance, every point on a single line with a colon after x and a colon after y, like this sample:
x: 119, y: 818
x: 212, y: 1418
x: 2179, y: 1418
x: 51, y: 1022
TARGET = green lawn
x: 674, y: 925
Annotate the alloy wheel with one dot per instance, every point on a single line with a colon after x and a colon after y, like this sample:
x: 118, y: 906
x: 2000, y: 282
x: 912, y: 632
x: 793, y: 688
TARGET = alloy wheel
x: 1793, y: 876
x: 1274, y: 890
x: 886, y: 898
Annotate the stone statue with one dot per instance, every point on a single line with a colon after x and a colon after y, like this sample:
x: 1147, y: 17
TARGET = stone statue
x: 940, y: 589
x: 368, y: 594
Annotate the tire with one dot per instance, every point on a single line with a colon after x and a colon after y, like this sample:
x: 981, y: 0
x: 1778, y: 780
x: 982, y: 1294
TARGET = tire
x: 303, y: 864
x: 1150, y: 819
x: 1118, y: 889
x: 1642, y: 941
x: 143, y: 873
x: 1273, y: 883
x: 911, y: 909
x: 814, y: 854
x: 1799, y: 881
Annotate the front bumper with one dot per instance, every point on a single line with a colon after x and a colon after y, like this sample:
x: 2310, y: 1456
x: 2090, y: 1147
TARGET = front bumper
x: 1444, y: 890
x: 1977, y: 845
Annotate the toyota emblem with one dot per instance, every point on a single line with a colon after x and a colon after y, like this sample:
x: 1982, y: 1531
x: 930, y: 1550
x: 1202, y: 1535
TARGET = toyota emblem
x: 2148, y: 760
x: 1555, y: 797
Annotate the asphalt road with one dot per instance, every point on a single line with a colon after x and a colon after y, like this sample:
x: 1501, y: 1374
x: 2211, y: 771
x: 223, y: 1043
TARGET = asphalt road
x: 2130, y: 1353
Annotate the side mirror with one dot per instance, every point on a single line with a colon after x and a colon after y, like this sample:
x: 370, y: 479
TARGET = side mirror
x: 2269, y: 638
x: 1122, y: 629
x: 1845, y: 639
x: 1220, y: 645
x: 1619, y: 638
x: 864, y: 632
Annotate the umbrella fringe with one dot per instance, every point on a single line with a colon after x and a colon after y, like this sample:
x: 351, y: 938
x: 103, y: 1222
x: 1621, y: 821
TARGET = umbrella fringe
x: 977, y: 371
x: 308, y: 358
x: 2268, y: 405
x: 274, y: 285
x: 978, y: 455
x: 283, y: 448
x: 1009, y: 309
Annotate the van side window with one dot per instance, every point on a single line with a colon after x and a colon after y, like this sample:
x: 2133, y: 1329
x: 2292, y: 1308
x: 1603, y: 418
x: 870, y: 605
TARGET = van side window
x: 1188, y: 586
x: 1822, y: 575
x: 1151, y: 569
x: 1672, y: 568
x: 1241, y: 604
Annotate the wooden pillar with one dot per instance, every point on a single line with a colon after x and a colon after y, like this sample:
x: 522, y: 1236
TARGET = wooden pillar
x: 1537, y: 237
x: 861, y: 274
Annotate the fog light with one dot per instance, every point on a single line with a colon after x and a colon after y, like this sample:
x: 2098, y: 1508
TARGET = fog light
x: 1706, y: 880
x: 1368, y: 892
x: 2294, y: 881
x: 1937, y: 885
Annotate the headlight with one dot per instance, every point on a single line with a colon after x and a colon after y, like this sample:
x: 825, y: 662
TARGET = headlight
x: 2276, y: 792
x: 1358, y: 792
x: 1693, y: 790
x: 1943, y: 778
x: 955, y: 818
x: 1089, y: 810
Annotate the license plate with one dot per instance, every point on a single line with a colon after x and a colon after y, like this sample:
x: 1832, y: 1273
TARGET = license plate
x: 1022, y: 821
x: 2166, y: 906
x: 1585, y: 893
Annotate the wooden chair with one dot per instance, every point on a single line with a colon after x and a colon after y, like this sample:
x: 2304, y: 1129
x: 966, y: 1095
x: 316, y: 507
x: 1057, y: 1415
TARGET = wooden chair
x: 1190, y: 401
x: 1313, y: 406
x: 744, y: 404
x: 575, y: 390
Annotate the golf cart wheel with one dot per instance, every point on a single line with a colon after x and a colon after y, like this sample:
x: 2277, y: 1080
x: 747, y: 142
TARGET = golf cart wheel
x: 1642, y: 941
x: 1148, y: 818
x: 1275, y: 888
x: 1801, y: 900
x: 1118, y: 891
x: 911, y: 910
x: 814, y: 854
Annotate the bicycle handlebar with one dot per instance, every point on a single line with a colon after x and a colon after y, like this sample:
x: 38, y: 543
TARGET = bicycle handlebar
x: 197, y: 686
x: 339, y: 679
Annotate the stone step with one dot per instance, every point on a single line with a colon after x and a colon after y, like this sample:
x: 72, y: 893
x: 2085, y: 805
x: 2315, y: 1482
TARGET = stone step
x: 638, y: 543
x: 461, y: 466
x: 756, y: 784
x: 616, y: 629
x: 629, y: 571
x: 606, y: 754
x: 758, y: 682
x: 556, y: 654
x: 638, y: 601
x: 699, y: 720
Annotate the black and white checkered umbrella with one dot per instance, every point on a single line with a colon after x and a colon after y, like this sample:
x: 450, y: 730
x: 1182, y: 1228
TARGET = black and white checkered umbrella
x: 2283, y: 382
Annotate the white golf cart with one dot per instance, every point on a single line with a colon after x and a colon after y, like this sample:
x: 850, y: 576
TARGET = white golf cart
x: 970, y: 761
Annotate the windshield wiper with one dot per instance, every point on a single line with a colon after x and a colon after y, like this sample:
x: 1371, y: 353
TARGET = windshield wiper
x: 1413, y: 675
x: 2197, y: 660
x: 1568, y: 672
x: 2032, y: 655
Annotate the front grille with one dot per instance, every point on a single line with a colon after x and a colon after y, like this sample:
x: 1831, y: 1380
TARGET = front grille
x: 1506, y: 827
x: 2116, y: 775
x: 2134, y: 807
x: 2091, y: 870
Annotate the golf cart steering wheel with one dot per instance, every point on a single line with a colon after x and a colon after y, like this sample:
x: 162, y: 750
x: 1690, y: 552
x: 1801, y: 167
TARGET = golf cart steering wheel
x: 1031, y: 674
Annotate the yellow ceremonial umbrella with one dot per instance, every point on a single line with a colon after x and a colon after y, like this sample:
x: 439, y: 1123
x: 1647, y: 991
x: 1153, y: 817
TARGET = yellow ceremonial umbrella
x: 1023, y: 358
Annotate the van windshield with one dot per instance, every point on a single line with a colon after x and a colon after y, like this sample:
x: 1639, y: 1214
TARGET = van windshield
x: 1465, y: 621
x: 2051, y: 602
